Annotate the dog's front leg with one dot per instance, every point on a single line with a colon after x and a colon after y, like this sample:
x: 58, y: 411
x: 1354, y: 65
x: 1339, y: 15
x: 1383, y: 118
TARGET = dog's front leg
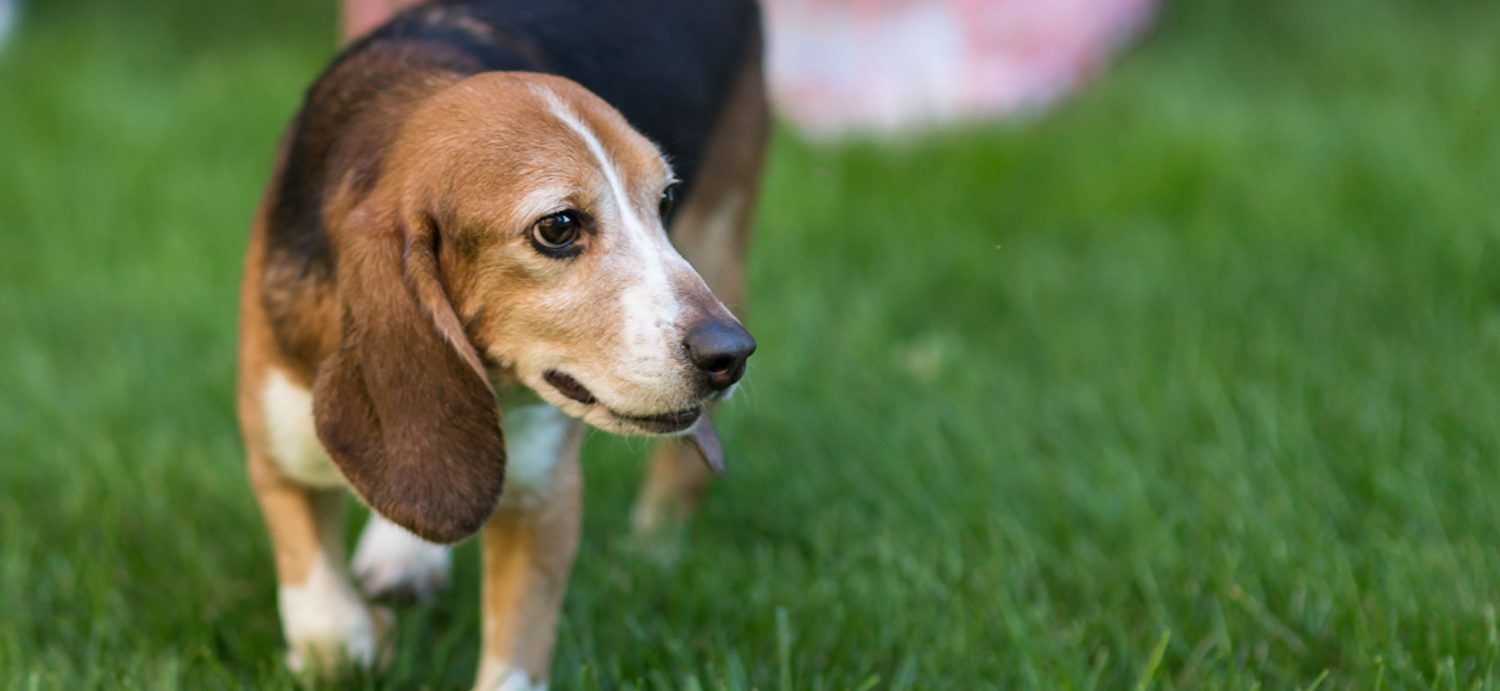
x: 326, y: 623
x: 528, y: 550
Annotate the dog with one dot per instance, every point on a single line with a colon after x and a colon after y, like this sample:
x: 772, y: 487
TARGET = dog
x: 467, y: 223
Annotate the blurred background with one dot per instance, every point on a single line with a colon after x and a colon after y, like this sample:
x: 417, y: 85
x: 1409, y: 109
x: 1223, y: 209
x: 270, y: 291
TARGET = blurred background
x: 1104, y: 344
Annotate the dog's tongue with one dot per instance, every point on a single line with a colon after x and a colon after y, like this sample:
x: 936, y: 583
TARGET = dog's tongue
x: 706, y: 440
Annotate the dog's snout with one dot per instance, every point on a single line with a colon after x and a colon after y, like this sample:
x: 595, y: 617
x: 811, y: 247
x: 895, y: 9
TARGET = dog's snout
x: 719, y: 349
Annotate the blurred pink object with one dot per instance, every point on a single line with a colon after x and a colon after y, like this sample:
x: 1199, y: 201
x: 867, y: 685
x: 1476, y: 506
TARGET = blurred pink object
x: 895, y: 65
x: 358, y: 17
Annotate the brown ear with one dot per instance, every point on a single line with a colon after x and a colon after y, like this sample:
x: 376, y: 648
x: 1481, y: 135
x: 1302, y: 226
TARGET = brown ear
x: 403, y: 406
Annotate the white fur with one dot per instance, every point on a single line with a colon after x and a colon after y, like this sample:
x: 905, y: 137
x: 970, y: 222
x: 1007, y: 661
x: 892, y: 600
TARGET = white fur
x: 292, y: 437
x: 325, y: 621
x: 496, y: 675
x: 534, y: 439
x: 388, y: 558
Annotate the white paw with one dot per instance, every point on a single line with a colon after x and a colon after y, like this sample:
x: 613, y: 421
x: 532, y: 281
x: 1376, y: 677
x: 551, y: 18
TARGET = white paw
x: 328, y: 627
x: 323, y: 654
x: 498, y: 676
x: 389, y: 559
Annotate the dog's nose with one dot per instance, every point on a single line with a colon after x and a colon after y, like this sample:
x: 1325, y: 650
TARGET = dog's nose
x: 719, y: 348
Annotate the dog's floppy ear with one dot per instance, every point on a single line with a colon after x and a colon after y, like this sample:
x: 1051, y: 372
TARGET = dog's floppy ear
x: 403, y: 406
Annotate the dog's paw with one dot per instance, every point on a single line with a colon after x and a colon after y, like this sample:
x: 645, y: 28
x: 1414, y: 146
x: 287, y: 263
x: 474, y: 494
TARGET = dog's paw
x: 496, y: 676
x: 391, y: 561
x: 329, y: 630
x: 326, y: 655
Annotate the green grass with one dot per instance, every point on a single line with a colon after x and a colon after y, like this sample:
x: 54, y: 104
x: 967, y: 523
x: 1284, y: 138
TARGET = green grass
x: 1192, y: 383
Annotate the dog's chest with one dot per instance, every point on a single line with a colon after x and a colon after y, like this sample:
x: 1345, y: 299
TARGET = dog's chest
x: 534, y: 437
x: 291, y: 438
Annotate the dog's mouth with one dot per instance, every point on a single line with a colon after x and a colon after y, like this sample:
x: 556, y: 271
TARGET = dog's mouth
x: 569, y: 387
x: 663, y: 423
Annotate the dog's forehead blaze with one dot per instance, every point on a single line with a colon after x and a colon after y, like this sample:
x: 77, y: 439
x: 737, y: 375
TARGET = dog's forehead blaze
x: 639, y: 161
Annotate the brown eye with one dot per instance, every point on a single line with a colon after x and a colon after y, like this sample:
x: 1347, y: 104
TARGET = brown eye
x: 556, y: 233
x: 668, y: 198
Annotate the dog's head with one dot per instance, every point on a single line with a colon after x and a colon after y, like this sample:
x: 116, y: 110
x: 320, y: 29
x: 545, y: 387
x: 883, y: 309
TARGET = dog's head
x: 514, y: 231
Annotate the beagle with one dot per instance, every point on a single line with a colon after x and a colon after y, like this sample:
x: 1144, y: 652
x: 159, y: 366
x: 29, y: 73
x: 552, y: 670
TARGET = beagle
x: 467, y: 223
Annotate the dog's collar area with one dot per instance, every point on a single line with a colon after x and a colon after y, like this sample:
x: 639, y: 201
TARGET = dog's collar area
x: 664, y: 423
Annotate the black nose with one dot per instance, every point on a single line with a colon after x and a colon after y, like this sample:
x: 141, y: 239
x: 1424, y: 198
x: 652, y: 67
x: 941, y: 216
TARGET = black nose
x: 719, y: 348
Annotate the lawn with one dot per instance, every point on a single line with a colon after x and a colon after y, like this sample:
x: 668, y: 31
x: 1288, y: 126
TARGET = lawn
x: 1191, y: 383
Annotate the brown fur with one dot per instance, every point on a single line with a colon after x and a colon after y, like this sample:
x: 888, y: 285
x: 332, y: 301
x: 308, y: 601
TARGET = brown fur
x: 528, y: 552
x: 403, y: 408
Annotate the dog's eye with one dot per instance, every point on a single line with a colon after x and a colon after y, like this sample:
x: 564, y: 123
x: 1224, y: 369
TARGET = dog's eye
x: 556, y: 232
x: 668, y: 198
